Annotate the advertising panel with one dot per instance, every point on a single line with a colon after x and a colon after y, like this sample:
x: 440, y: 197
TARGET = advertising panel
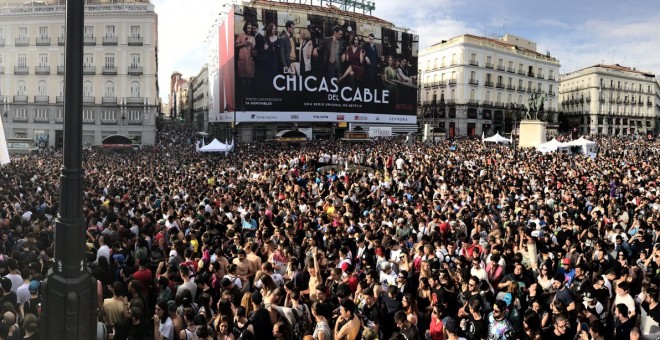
x: 320, y: 67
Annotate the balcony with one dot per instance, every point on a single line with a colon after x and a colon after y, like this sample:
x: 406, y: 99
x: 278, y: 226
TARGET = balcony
x: 110, y: 40
x: 135, y: 41
x: 2, y: 42
x: 88, y: 99
x: 521, y: 89
x: 109, y: 100
x: 89, y: 70
x: 450, y: 101
x: 473, y: 102
x: 22, y: 41
x: 649, y: 104
x: 60, y: 70
x: 43, y: 41
x: 530, y: 74
x: 500, y: 67
x: 499, y: 104
x: 41, y: 99
x: 89, y: 40
x: 2, y: 70
x: 21, y: 70
x: 640, y: 103
x: 20, y: 99
x: 441, y: 83
x: 474, y: 63
x: 135, y: 70
x: 426, y: 85
x: 60, y: 41
x: 488, y: 83
x: 42, y: 69
x: 488, y: 103
x: 453, y: 63
x: 521, y: 72
x: 500, y: 85
x: 473, y: 82
x: 530, y: 90
x: 510, y: 87
x: 552, y: 93
x: 59, y: 99
x: 452, y: 82
x: 511, y: 70
x: 109, y: 70
x: 551, y: 77
x: 134, y: 100
x: 489, y: 65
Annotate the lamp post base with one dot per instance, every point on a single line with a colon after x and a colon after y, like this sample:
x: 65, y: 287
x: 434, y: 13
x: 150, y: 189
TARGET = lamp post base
x: 73, y: 298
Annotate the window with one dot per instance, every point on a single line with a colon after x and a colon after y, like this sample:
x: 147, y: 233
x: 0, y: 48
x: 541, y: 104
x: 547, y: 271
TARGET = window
x: 489, y: 60
x: 60, y: 89
x: 89, y: 32
x: 539, y: 72
x: 61, y: 62
x: 133, y: 115
x: 110, y: 30
x: 42, y: 88
x: 2, y: 33
x: 88, y: 115
x: 473, y: 75
x: 520, y: 83
x: 472, y: 94
x: 109, y: 89
x: 41, y: 114
x: 539, y: 87
x: 43, y: 32
x: 20, y: 113
x: 60, y: 115
x: 550, y: 88
x: 444, y: 61
x: 22, y: 60
x: 510, y: 82
x: 520, y: 68
x: 109, y: 60
x: 487, y: 95
x: 453, y: 59
x: 109, y: 115
x: 21, y: 88
x: 88, y: 89
x: 500, y: 62
x: 510, y: 66
x: 88, y: 60
x: 62, y: 31
x: 488, y: 80
x: 135, y: 31
x: 529, y: 85
x: 22, y: 32
x: 473, y: 57
x: 135, y: 89
x: 43, y: 59
x: 135, y: 60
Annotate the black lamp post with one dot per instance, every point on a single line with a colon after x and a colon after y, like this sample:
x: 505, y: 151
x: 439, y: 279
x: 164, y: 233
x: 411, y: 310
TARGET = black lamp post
x: 515, y: 108
x: 234, y: 132
x: 68, y: 296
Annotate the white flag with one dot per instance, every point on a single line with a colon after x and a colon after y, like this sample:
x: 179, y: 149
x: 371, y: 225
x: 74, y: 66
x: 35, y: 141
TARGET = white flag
x: 4, y: 152
x: 482, y: 136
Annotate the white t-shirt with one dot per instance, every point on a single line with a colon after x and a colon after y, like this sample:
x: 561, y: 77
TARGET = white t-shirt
x: 103, y: 251
x: 167, y: 329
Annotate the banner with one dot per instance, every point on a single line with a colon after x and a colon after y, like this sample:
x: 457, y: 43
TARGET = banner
x: 276, y: 116
x: 288, y: 60
x: 4, y: 151
x: 381, y: 131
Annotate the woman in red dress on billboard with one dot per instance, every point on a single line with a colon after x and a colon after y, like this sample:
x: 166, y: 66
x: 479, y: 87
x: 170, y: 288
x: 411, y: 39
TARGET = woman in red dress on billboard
x: 246, y: 46
x: 354, y: 55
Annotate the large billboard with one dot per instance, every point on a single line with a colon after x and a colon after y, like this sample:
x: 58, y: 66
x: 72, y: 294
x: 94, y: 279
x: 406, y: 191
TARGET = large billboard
x: 290, y: 64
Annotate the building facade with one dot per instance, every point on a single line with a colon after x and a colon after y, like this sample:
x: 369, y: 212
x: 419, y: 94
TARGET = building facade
x: 120, y: 90
x: 610, y: 100
x: 468, y: 83
x: 200, y: 99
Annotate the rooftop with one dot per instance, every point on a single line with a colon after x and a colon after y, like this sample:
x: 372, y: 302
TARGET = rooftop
x: 615, y: 67
x: 497, y: 43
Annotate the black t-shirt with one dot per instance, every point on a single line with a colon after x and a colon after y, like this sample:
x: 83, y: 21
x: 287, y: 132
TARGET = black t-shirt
x: 623, y: 330
x: 652, y: 313
x: 549, y: 334
x: 263, y: 328
x: 371, y: 315
x: 410, y: 333
x: 11, y: 297
x: 476, y: 329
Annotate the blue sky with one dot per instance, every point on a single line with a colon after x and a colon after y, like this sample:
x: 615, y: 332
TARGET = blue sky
x: 579, y: 33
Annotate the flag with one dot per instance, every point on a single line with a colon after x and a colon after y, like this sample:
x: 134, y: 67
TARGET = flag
x: 226, y: 148
x: 4, y: 152
x: 198, y: 145
x: 482, y: 136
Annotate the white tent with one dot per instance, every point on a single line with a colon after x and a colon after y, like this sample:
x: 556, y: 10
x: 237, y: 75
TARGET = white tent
x: 551, y: 146
x: 497, y: 138
x: 586, y: 146
x: 215, y: 146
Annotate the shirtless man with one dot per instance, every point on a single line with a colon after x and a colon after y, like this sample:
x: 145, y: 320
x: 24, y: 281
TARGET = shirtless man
x: 252, y: 257
x: 348, y: 324
x: 244, y: 269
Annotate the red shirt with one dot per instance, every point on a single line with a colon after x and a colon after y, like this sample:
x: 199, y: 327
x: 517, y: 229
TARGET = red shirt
x: 145, y: 277
x: 436, y: 328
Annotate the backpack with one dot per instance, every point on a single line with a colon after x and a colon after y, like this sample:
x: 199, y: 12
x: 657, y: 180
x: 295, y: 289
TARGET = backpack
x: 302, y: 326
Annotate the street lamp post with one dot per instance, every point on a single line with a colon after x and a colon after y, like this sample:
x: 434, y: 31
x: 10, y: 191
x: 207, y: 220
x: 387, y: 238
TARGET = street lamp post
x: 233, y: 123
x: 68, y: 296
x: 514, y: 109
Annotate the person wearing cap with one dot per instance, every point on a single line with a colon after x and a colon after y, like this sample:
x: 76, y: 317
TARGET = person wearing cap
x: 567, y: 270
x: 498, y: 325
x: 32, y: 305
x: 593, y: 309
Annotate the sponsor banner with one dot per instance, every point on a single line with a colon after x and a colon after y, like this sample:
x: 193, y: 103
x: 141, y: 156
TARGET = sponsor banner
x: 380, y: 131
x: 289, y: 60
x: 267, y: 116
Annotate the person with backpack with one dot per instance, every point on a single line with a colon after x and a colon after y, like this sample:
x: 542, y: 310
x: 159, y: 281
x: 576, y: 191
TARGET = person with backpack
x: 297, y: 316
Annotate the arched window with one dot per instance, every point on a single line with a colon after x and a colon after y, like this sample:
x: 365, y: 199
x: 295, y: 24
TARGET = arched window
x: 42, y: 88
x: 508, y: 99
x: 88, y: 89
x: 109, y: 90
x: 499, y: 97
x: 135, y: 89
x: 453, y: 94
x: 487, y: 95
x: 21, y: 88
x: 472, y: 94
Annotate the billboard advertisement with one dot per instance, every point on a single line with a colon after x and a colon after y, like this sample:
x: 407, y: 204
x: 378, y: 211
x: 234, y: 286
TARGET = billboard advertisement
x: 327, y: 66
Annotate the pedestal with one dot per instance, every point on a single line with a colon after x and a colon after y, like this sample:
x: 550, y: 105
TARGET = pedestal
x: 532, y: 133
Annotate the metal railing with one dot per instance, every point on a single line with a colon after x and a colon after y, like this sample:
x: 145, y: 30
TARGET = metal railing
x: 88, y: 99
x: 41, y: 99
x: 110, y: 40
x: 42, y: 69
x: 22, y: 41
x: 135, y: 40
x: 109, y: 100
x: 89, y: 40
x: 135, y: 70
x: 134, y: 100
x: 21, y: 70
x: 109, y: 70
x: 20, y: 99
x: 90, y: 70
x: 43, y: 41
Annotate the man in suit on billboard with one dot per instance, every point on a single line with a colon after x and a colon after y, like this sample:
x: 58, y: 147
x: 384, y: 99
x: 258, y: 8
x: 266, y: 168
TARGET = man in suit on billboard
x: 371, y: 60
x: 287, y: 46
x: 331, y: 49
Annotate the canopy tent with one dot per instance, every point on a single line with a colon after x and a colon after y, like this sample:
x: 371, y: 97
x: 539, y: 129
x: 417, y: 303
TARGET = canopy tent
x: 586, y: 146
x: 215, y: 146
x: 497, y: 138
x: 551, y: 146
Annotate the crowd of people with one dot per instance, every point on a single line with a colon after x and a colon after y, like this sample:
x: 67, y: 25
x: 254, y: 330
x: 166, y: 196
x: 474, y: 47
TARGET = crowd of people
x: 422, y: 241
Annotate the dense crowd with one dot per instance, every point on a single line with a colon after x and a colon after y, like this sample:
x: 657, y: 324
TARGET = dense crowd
x: 423, y: 241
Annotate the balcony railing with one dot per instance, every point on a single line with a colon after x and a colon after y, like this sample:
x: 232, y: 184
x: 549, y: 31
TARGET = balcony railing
x: 441, y: 83
x: 89, y: 70
x: 135, y: 70
x: 88, y: 99
x: 60, y: 70
x: 521, y: 89
x: 500, y: 85
x: 488, y: 103
x: 500, y: 67
x: 511, y: 69
x: 450, y: 101
x: 135, y: 41
x: 20, y: 99
x: 89, y: 40
x: 42, y: 69
x: 551, y: 77
x: 474, y: 82
x: 59, y: 99
x: 109, y: 100
x: 22, y: 41
x: 474, y: 63
x: 510, y: 87
x: 21, y: 70
x: 588, y: 99
x: 499, y: 104
x: 60, y: 41
x: 41, y: 99
x: 540, y: 76
x: 649, y: 104
x: 489, y: 65
x: 43, y: 41
x: 134, y: 100
x: 2, y: 70
x: 531, y: 74
x: 521, y: 72
x: 109, y: 70
x: 110, y: 40
x: 452, y: 82
x: 2, y: 42
x: 488, y: 83
x: 552, y: 93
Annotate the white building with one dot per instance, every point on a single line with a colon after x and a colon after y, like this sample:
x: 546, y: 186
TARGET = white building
x: 120, y: 90
x: 200, y: 99
x: 469, y: 82
x: 610, y: 100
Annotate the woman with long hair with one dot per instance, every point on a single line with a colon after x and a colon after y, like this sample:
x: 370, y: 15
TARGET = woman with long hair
x: 322, y: 330
x: 245, y: 64
x: 163, y: 326
x: 531, y: 326
x: 241, y: 322
x: 410, y: 307
x: 354, y: 57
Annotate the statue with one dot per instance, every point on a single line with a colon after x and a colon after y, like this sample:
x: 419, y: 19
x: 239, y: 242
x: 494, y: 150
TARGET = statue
x: 535, y: 106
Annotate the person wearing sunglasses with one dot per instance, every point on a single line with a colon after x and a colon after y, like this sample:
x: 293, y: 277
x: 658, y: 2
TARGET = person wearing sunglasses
x: 498, y: 325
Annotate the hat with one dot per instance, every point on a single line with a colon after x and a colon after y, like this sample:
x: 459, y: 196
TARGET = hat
x: 34, y: 286
x: 508, y: 299
x: 171, y: 305
x: 451, y: 325
x: 566, y: 261
x: 385, y: 266
x: 588, y: 297
x: 257, y: 298
x: 119, y: 258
